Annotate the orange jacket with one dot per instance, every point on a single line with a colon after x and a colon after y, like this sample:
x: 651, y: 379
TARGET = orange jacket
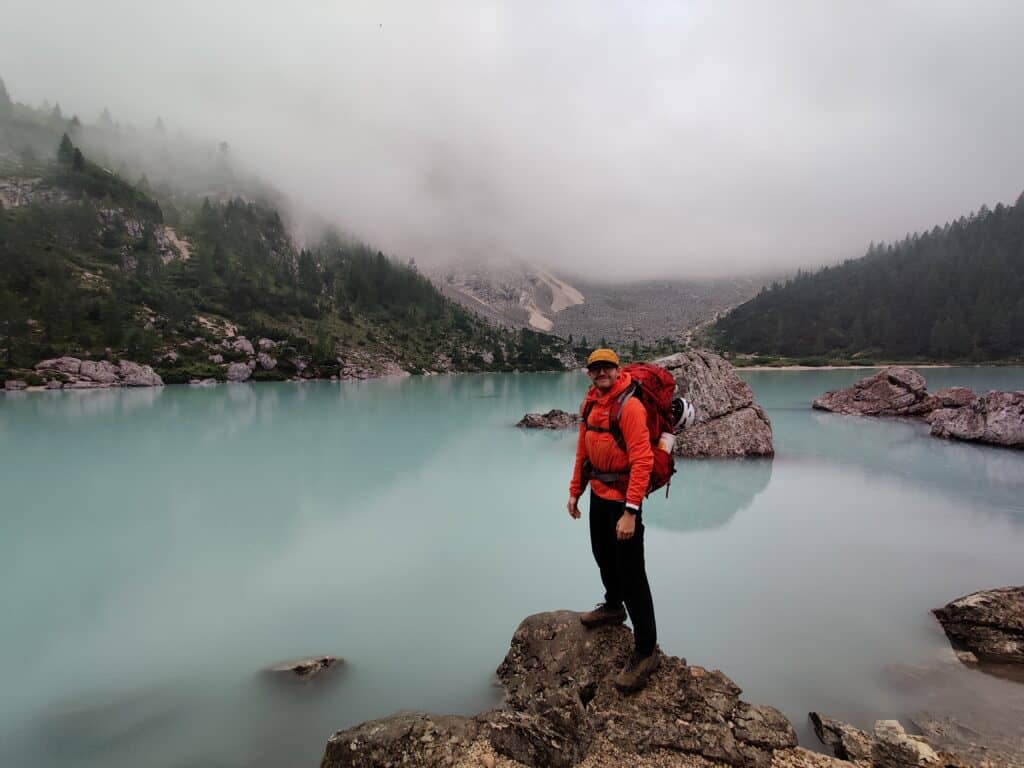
x: 604, y: 453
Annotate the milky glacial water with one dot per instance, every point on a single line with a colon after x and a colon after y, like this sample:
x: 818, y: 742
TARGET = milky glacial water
x: 159, y: 548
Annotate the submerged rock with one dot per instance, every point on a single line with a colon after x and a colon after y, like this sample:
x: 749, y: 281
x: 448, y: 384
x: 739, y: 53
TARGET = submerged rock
x: 729, y: 422
x: 306, y: 668
x: 996, y: 418
x: 893, y: 391
x: 989, y: 624
x: 562, y: 708
x: 553, y: 419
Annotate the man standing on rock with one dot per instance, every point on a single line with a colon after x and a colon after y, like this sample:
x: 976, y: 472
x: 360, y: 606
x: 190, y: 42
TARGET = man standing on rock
x: 618, y: 483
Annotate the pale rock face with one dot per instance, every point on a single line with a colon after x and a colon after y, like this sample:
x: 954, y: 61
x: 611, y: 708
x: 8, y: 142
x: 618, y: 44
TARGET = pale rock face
x: 136, y: 375
x: 53, y: 384
x: 238, y: 372
x: 240, y: 344
x: 69, y: 365
x: 729, y: 423
x: 100, y: 371
x: 218, y: 359
x: 267, y: 345
x: 14, y: 385
x: 266, y: 362
x: 894, y: 748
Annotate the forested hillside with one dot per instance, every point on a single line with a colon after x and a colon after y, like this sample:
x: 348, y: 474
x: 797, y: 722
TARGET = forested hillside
x: 955, y: 293
x: 93, y: 265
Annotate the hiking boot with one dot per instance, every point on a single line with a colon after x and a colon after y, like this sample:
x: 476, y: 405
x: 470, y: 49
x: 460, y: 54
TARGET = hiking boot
x: 634, y: 674
x: 603, y: 614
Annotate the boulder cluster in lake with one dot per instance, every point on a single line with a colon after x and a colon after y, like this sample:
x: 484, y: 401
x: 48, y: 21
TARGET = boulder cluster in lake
x: 953, y: 412
x: 74, y: 373
x: 729, y: 423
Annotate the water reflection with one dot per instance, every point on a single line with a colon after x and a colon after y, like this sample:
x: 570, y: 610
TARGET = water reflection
x: 709, y: 493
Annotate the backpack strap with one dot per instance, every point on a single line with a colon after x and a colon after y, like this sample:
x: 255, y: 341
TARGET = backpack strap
x: 613, y: 418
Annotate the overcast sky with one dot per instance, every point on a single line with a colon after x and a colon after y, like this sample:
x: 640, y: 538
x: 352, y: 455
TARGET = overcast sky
x: 613, y: 139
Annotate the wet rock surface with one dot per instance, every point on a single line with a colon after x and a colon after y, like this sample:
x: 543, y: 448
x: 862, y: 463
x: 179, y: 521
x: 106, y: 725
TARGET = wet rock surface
x: 562, y: 709
x: 989, y: 624
x: 553, y: 419
x: 729, y: 423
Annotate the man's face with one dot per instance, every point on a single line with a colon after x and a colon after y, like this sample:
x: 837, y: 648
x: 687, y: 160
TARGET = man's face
x: 603, y: 375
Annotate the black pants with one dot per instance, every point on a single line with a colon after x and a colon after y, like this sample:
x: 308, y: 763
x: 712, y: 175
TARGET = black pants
x: 622, y: 568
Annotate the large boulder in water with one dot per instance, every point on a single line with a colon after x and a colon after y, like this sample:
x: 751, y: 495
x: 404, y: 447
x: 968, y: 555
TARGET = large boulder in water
x: 729, y: 423
x: 562, y: 708
x: 996, y: 418
x: 893, y: 391
x: 989, y: 624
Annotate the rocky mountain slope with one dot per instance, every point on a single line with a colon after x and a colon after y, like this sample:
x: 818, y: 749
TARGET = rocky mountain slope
x: 520, y: 294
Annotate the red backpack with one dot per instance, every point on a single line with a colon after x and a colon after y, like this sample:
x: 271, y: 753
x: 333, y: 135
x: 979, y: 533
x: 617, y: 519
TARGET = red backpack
x: 653, y: 387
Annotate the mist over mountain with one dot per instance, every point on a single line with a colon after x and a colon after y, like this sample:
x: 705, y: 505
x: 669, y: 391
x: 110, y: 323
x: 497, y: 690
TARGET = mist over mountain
x: 621, y: 142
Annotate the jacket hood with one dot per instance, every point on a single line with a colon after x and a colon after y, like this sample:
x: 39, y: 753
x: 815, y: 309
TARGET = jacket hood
x: 623, y: 381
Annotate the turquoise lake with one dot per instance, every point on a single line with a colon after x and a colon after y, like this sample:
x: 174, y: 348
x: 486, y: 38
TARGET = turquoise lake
x: 160, y: 548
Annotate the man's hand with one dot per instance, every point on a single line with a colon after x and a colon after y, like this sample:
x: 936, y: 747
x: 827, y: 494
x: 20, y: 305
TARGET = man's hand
x: 626, y: 527
x: 574, y: 511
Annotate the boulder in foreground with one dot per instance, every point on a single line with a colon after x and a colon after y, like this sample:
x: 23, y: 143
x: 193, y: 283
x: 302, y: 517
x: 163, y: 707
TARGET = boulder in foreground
x: 989, y: 624
x: 562, y: 709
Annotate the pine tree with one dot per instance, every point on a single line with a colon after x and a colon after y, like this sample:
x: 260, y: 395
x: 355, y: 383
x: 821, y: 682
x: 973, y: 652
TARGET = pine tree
x: 66, y: 151
x: 6, y: 105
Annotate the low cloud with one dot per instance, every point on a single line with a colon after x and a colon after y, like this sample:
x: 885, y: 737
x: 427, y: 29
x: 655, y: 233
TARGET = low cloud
x: 612, y: 139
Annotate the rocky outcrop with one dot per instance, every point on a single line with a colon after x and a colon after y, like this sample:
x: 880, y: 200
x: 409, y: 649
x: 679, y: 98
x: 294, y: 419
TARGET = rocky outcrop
x: 239, y: 345
x: 989, y: 624
x: 893, y: 391
x: 845, y: 741
x: 267, y: 363
x: 562, y: 709
x: 553, y: 419
x: 14, y: 385
x: 73, y: 373
x: 996, y: 418
x: 729, y: 423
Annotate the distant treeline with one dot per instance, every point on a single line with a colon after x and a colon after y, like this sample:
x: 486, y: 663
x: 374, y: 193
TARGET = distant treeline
x: 954, y: 293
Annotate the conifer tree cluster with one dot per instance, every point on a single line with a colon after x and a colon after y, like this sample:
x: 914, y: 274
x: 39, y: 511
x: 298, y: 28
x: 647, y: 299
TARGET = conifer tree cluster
x: 954, y: 293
